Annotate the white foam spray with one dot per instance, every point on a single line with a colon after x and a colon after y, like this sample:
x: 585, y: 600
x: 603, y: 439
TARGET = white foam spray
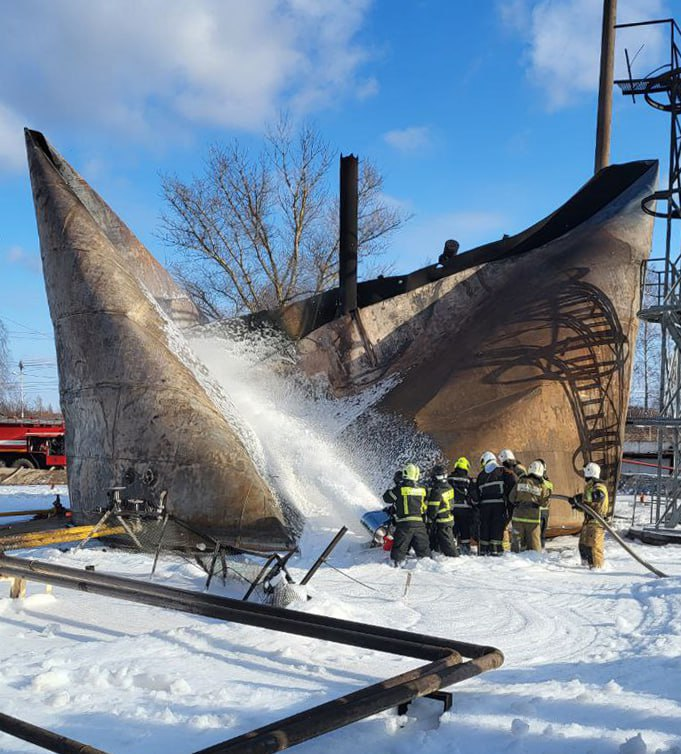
x: 297, y: 428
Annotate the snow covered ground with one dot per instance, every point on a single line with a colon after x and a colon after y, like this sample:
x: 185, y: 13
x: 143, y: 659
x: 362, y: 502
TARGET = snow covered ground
x: 593, y: 659
x: 29, y: 497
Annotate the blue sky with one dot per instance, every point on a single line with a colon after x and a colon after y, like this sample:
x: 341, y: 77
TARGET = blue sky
x: 480, y: 115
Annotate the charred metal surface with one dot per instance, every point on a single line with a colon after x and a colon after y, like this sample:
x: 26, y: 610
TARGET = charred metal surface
x: 524, y: 343
x: 303, y: 317
x: 131, y: 252
x: 444, y: 667
x: 136, y: 413
x: 349, y: 171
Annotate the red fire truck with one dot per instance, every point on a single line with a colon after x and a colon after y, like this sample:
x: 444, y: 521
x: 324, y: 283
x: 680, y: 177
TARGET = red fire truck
x: 32, y: 443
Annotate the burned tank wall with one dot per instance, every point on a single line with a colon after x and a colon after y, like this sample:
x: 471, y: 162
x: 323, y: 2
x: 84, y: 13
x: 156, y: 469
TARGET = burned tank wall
x: 135, y: 413
x: 172, y: 299
x: 532, y: 352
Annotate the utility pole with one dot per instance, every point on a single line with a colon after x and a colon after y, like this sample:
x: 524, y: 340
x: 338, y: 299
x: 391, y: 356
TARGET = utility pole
x: 21, y: 388
x: 606, y: 83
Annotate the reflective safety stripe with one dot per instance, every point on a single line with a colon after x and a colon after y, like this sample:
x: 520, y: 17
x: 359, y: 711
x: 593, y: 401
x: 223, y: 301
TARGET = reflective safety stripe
x: 526, y: 520
x: 500, y: 485
x: 412, y: 492
x: 500, y: 488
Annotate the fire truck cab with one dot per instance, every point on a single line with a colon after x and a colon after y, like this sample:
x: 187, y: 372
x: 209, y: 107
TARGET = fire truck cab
x: 32, y: 444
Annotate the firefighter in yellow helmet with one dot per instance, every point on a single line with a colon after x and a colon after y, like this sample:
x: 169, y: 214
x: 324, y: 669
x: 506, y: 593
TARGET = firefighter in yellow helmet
x: 462, y: 505
x: 527, y: 498
x: 593, y: 534
x: 407, y: 501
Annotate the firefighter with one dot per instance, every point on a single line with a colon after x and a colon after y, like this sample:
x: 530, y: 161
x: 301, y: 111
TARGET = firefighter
x: 440, y: 515
x: 492, y: 488
x: 527, y: 496
x: 509, y: 461
x: 462, y: 505
x: 407, y: 507
x: 595, y: 497
x: 545, y: 505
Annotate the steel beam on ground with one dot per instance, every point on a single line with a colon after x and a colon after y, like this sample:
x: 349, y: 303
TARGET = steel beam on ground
x: 444, y: 657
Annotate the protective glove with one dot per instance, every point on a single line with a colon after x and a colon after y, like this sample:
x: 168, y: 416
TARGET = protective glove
x: 575, y: 500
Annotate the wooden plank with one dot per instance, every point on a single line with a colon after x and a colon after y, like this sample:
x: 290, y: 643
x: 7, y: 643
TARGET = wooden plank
x: 17, y: 589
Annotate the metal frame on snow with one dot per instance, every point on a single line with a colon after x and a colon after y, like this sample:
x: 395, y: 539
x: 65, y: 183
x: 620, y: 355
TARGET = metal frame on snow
x: 444, y: 668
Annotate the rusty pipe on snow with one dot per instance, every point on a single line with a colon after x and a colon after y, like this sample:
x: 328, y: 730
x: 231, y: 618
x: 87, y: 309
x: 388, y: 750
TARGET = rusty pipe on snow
x: 445, y: 666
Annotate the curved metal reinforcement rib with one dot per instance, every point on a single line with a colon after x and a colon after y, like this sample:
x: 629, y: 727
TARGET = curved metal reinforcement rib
x: 445, y: 666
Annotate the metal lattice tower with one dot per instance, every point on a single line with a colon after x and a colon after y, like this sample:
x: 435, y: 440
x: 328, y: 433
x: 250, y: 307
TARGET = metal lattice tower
x: 661, y: 89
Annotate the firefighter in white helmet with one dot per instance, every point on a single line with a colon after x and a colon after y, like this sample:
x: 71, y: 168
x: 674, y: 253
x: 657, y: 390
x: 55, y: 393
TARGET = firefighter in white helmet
x: 593, y: 534
x: 527, y: 497
x: 508, y: 460
x: 491, y: 491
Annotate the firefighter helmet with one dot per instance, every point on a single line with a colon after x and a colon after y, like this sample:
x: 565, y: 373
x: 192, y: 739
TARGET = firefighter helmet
x: 506, y: 455
x: 537, y: 468
x: 592, y: 471
x: 411, y: 472
x: 462, y: 463
x: 439, y: 472
x: 487, y: 457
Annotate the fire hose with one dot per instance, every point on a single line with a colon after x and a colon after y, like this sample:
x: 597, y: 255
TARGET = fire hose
x: 597, y: 517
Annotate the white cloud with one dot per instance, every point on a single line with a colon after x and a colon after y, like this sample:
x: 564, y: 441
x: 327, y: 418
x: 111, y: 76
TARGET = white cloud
x: 17, y: 255
x: 367, y: 88
x: 563, y: 39
x: 408, y: 139
x: 134, y: 67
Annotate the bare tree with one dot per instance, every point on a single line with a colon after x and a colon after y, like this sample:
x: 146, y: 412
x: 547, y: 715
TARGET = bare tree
x: 647, y: 356
x: 259, y: 231
x: 7, y: 390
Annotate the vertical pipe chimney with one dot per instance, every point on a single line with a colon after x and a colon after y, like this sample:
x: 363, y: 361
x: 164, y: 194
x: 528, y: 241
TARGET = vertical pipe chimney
x: 605, y: 85
x: 347, y: 263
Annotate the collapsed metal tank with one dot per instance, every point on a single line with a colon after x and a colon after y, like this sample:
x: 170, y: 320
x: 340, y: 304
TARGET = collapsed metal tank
x: 136, y: 413
x: 526, y: 342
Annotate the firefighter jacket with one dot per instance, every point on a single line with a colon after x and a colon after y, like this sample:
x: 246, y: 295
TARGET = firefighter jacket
x: 408, y: 502
x: 547, y: 500
x: 440, y: 498
x: 595, y: 497
x: 528, y: 496
x: 517, y: 469
x: 493, y: 486
x: 461, y: 484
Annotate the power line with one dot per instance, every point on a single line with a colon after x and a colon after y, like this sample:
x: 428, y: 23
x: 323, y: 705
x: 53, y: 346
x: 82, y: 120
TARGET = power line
x: 25, y: 327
